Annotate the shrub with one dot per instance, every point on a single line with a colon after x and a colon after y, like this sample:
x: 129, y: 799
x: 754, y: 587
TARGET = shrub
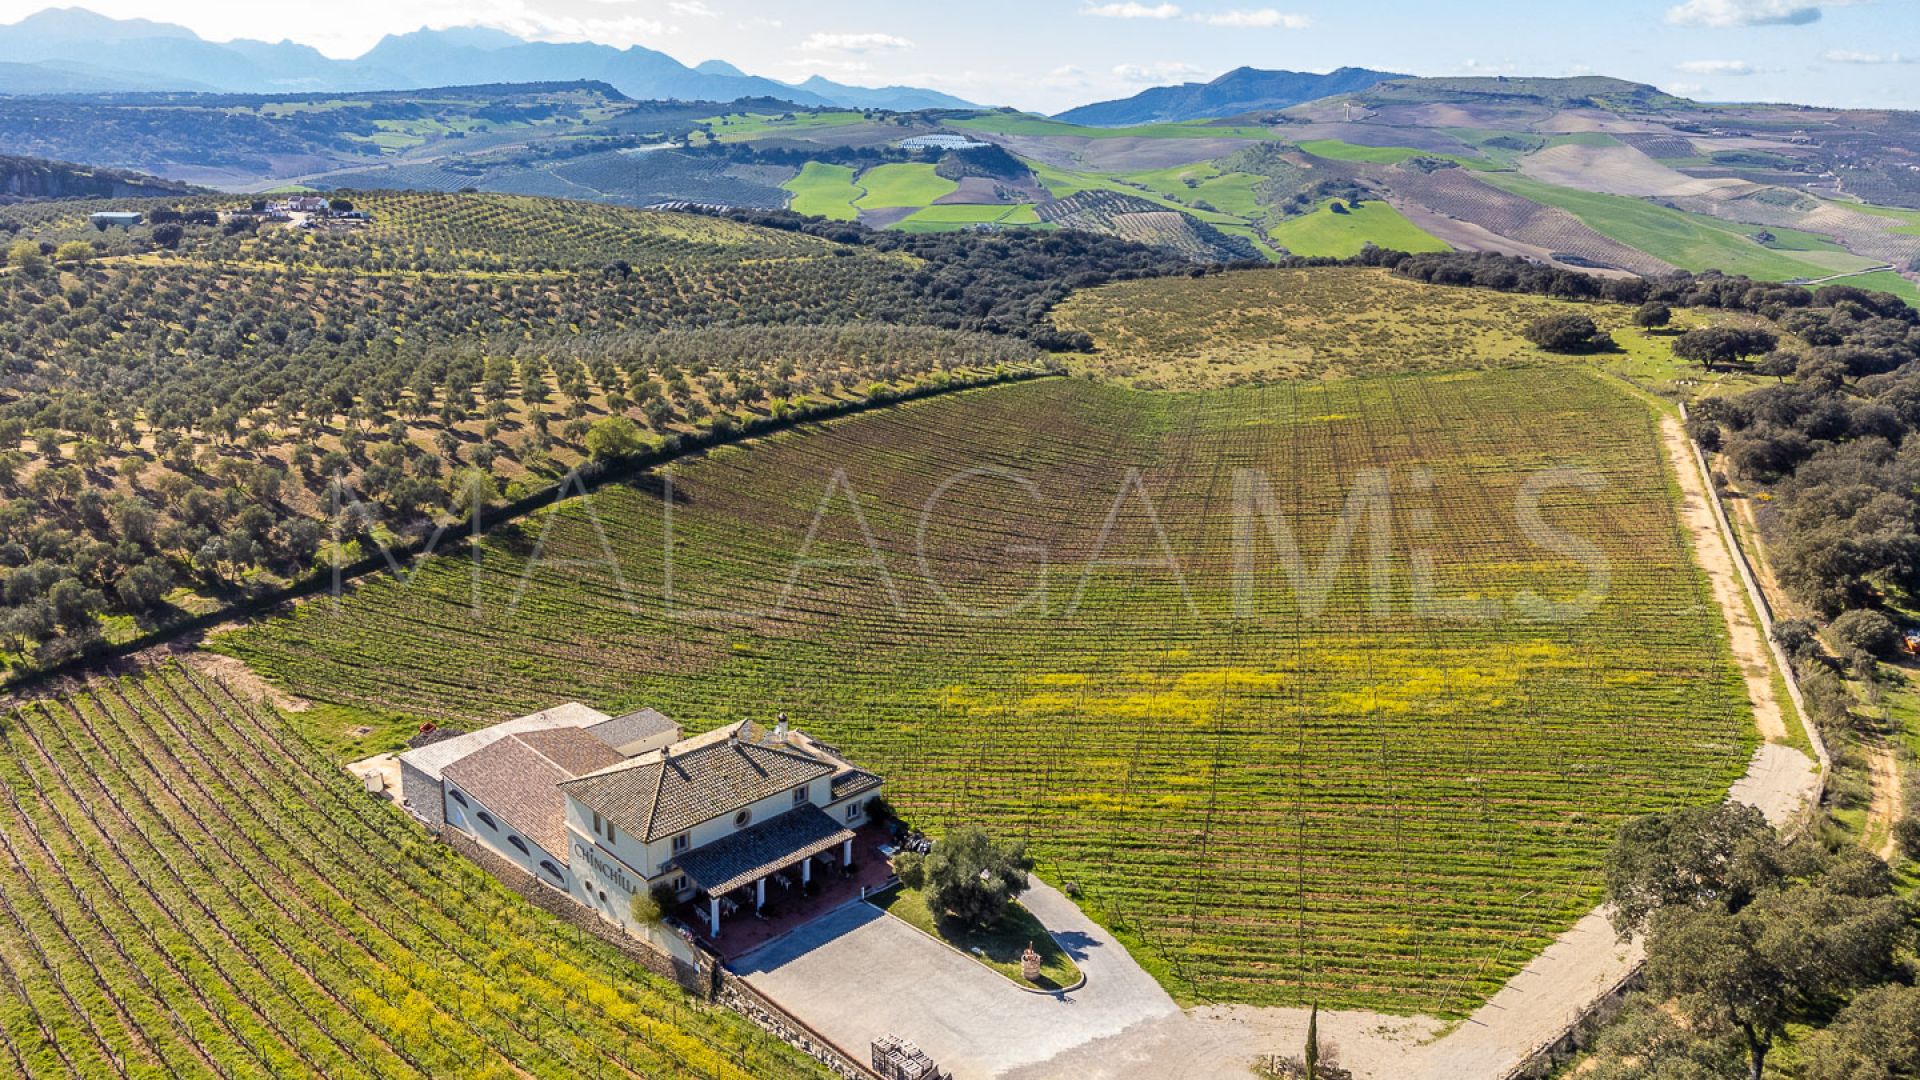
x: 614, y: 437
x: 1566, y: 334
x: 73, y: 251
x: 1906, y: 834
x: 1868, y: 631
x: 26, y: 255
x: 1651, y: 315
x: 971, y: 877
x: 1798, y: 638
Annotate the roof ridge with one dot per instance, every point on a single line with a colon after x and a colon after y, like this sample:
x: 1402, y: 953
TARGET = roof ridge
x: 659, y: 785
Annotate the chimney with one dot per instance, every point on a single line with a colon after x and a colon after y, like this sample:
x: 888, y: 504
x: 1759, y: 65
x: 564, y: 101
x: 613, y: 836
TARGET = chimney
x: 780, y: 729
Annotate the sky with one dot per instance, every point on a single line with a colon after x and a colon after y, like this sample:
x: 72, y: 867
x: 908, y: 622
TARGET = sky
x: 1048, y: 55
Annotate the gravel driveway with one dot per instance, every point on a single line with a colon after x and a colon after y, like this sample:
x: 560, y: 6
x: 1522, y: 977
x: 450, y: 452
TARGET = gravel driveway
x: 859, y: 973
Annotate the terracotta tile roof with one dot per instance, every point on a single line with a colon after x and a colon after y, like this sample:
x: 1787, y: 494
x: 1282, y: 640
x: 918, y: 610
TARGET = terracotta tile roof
x: 634, y: 726
x: 853, y: 782
x: 432, y: 759
x: 517, y: 778
x: 725, y: 865
x: 658, y: 795
x: 575, y: 750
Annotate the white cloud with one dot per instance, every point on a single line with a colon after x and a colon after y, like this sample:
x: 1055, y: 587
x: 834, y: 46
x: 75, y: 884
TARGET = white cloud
x: 854, y: 43
x: 1846, y: 56
x: 1721, y: 14
x: 1132, y: 9
x: 1258, y: 18
x: 695, y: 8
x: 1715, y: 67
x: 1489, y: 67
x: 1064, y: 77
x: 1165, y: 71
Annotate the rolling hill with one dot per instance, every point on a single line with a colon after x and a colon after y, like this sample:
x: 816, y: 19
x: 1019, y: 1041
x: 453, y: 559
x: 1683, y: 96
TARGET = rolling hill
x: 1239, y: 91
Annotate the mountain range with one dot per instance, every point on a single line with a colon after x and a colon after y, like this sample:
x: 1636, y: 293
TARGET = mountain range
x: 1239, y: 91
x: 73, y: 50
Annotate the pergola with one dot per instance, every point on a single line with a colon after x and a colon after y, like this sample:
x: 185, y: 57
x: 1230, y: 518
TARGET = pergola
x: 752, y: 855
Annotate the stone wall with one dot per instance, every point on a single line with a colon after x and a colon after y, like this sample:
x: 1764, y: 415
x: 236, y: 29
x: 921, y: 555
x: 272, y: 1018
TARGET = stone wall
x: 705, y: 979
x: 735, y: 994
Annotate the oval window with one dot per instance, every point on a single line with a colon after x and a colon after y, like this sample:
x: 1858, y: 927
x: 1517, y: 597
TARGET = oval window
x: 487, y: 820
x: 519, y: 845
x: 551, y: 870
x: 740, y: 819
x: 455, y: 795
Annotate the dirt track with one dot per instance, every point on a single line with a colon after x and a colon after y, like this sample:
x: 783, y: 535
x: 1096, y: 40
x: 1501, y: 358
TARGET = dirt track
x: 1710, y: 549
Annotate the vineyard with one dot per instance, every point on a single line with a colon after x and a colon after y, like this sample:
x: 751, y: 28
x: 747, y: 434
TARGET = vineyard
x: 1383, y: 784
x: 191, y: 891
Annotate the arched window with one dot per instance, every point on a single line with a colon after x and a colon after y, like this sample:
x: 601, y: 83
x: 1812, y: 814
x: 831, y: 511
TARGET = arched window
x: 519, y: 845
x: 454, y: 794
x: 552, y: 871
x: 487, y: 820
x: 741, y: 819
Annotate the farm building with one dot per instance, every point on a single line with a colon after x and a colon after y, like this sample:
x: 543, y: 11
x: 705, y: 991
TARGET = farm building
x: 717, y: 816
x: 423, y: 769
x: 940, y: 142
x: 125, y: 219
x: 605, y: 807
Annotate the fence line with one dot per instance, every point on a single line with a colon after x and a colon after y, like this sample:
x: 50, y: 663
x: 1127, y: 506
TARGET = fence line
x: 1764, y: 611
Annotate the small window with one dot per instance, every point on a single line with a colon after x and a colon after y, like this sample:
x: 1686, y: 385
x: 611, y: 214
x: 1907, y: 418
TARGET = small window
x: 681, y: 842
x: 547, y: 868
x: 799, y: 796
x: 519, y: 845
x: 853, y: 811
x: 680, y: 884
x: 741, y: 819
x: 454, y: 794
x: 487, y: 820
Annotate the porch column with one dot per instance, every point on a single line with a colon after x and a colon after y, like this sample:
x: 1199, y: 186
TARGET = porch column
x: 713, y: 916
x: 760, y: 894
x: 846, y: 852
x: 806, y: 870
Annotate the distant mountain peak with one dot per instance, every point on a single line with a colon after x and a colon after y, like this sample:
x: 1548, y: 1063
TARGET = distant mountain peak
x: 79, y: 22
x: 1244, y: 89
x: 64, y: 50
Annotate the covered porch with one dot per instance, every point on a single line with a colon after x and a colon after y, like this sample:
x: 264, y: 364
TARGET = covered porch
x: 756, y: 888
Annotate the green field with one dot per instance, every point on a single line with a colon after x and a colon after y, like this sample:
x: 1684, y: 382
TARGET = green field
x: 892, y: 186
x: 951, y: 216
x: 1324, y: 232
x: 1028, y: 124
x: 823, y: 190
x: 1689, y: 241
x: 193, y: 891
x: 1228, y: 192
x: 1364, y: 790
x: 738, y: 127
x: 1335, y: 150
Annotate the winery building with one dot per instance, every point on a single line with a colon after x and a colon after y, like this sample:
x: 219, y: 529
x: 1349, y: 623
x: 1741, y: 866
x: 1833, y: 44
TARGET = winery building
x: 604, y: 807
